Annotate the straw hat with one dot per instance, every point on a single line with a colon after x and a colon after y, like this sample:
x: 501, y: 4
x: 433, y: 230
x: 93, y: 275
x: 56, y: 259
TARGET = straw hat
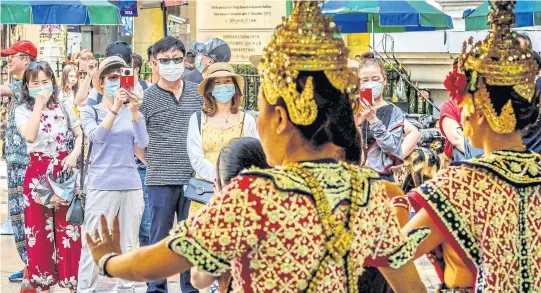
x: 255, y: 59
x: 221, y: 69
x: 106, y: 63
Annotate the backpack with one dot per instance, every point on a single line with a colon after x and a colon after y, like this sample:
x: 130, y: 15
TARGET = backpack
x: 99, y: 97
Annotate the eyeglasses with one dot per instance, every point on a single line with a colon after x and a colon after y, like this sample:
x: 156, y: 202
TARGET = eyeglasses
x: 176, y: 60
x: 38, y: 64
x: 9, y: 57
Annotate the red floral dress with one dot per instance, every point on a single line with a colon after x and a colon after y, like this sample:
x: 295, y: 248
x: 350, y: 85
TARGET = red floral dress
x: 53, y: 244
x: 266, y: 229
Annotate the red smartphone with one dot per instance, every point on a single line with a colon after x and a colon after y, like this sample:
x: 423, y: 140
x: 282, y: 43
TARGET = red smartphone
x: 366, y: 94
x: 127, y: 78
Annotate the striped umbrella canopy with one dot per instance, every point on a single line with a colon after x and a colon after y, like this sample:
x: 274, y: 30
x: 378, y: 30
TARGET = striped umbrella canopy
x: 15, y: 12
x: 386, y: 16
x: 72, y: 12
x: 527, y: 13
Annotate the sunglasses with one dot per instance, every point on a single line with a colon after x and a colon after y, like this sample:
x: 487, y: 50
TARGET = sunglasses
x: 176, y: 60
x: 38, y: 64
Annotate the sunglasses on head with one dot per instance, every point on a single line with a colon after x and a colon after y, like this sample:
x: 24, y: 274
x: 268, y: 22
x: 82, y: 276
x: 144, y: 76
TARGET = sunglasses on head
x: 175, y: 60
x: 41, y: 64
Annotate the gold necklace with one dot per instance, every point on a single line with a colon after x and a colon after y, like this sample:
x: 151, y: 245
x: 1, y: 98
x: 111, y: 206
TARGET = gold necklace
x: 339, y: 238
x: 226, y: 118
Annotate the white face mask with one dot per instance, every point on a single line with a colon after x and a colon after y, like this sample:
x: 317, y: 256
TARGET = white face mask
x: 171, y: 71
x: 377, y: 88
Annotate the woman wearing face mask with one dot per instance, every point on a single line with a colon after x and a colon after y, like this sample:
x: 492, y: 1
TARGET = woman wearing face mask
x: 53, y: 244
x: 115, y: 127
x: 221, y: 120
x: 70, y: 85
x: 382, y: 123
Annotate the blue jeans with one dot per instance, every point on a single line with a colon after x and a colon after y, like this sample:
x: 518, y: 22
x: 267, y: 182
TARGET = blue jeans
x: 144, y: 229
x: 165, y: 202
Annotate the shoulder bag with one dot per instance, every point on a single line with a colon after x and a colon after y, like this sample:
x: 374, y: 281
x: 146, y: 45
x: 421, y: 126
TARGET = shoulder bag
x: 200, y: 190
x: 76, y: 209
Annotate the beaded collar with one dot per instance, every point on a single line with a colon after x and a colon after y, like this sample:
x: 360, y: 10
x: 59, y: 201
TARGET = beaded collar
x: 330, y: 173
x: 520, y: 168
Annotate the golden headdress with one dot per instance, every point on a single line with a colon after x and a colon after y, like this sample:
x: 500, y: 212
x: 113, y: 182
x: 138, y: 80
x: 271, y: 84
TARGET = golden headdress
x: 501, y: 61
x: 305, y: 41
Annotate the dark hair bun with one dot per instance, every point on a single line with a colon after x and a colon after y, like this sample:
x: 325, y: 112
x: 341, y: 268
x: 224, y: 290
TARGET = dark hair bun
x: 368, y: 55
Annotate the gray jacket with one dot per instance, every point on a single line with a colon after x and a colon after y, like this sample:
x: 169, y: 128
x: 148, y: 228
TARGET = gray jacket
x: 386, y: 151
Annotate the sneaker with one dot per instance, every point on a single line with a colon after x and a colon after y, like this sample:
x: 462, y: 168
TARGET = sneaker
x: 17, y: 277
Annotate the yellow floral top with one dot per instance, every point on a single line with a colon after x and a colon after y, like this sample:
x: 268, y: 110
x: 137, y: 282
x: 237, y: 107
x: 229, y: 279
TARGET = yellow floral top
x: 266, y: 229
x: 489, y: 211
x: 214, y: 140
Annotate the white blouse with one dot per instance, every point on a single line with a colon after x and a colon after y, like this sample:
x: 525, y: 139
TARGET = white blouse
x: 202, y: 166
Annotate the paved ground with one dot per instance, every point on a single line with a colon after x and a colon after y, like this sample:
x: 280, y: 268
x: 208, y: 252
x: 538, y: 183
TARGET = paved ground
x: 10, y: 261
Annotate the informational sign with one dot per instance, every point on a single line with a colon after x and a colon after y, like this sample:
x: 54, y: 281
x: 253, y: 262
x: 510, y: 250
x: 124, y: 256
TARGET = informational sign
x: 246, y: 26
x: 168, y: 3
x: 127, y: 8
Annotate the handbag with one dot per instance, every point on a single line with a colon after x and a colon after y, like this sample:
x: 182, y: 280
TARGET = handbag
x: 199, y: 190
x: 76, y: 208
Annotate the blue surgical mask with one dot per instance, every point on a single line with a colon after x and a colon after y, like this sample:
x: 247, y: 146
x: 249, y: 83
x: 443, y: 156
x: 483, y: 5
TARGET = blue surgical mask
x: 33, y: 92
x: 198, y: 64
x: 223, y: 93
x: 111, y: 87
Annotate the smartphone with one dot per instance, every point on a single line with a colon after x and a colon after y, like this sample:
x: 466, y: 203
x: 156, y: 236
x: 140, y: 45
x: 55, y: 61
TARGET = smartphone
x: 366, y: 94
x: 127, y: 78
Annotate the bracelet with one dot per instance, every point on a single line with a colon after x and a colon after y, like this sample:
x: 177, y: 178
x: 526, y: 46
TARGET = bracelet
x: 400, y: 201
x: 114, y: 112
x: 135, y: 121
x: 102, y: 264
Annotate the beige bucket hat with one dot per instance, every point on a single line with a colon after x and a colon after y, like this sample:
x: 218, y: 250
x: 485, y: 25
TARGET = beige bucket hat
x: 104, y: 64
x: 221, y: 69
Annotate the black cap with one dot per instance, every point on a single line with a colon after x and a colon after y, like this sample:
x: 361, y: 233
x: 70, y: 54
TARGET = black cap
x: 120, y: 49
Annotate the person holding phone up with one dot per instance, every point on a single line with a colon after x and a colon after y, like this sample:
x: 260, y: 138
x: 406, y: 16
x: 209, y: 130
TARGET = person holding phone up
x: 114, y: 127
x: 381, y: 123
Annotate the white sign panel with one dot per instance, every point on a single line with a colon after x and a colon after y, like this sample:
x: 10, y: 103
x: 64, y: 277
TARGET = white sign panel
x: 246, y: 26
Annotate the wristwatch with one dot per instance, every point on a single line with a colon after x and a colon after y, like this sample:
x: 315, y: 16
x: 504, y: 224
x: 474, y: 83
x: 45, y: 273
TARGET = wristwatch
x: 103, y: 263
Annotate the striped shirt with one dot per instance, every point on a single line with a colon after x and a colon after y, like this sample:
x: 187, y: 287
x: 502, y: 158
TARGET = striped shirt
x: 167, y: 122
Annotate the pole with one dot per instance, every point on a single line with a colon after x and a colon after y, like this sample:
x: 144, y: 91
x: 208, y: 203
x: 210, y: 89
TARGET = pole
x: 164, y: 19
x: 406, y: 79
x: 373, y: 36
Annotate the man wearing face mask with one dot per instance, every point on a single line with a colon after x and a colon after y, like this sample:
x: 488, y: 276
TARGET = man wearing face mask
x: 167, y: 107
x: 19, y: 55
x: 215, y: 50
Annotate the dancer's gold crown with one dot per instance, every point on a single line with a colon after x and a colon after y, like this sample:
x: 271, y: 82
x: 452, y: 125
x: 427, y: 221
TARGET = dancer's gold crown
x: 305, y: 41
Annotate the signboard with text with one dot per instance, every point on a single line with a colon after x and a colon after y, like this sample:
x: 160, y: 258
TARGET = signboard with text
x: 246, y: 26
x: 127, y: 8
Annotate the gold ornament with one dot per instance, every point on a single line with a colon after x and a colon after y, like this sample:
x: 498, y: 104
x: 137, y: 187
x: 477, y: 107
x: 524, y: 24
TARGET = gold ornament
x: 305, y: 41
x: 503, y: 123
x: 500, y: 61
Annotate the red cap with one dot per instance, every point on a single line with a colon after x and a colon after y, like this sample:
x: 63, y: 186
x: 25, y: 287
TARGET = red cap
x: 21, y: 47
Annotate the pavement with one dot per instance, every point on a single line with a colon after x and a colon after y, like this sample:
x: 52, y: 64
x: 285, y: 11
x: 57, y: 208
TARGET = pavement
x: 10, y: 261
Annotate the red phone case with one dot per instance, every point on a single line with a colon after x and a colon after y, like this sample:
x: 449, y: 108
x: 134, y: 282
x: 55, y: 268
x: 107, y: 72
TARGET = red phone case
x: 367, y: 95
x: 127, y: 81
